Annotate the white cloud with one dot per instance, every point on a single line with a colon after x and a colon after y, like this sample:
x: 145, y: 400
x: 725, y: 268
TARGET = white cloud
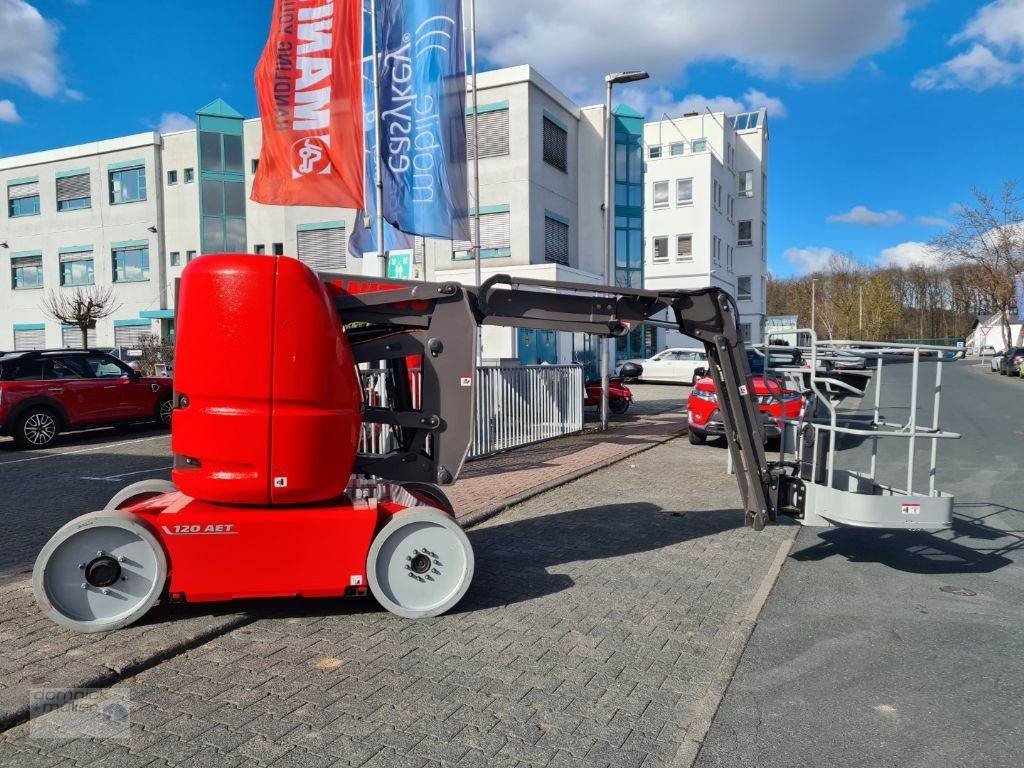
x: 575, y: 42
x: 658, y: 102
x: 810, y: 259
x: 932, y: 221
x: 996, y: 57
x: 8, y: 112
x: 907, y: 255
x: 865, y: 217
x: 175, y: 121
x: 28, y: 49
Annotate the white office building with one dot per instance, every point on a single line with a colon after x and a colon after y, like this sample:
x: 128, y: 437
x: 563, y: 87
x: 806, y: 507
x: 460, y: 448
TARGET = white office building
x: 706, y: 210
x: 131, y: 212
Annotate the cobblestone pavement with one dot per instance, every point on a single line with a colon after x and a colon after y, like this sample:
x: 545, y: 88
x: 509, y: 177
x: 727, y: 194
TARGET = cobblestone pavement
x: 603, y: 615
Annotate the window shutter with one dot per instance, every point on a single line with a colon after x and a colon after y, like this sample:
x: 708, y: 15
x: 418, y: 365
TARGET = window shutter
x: 555, y: 145
x: 495, y: 232
x: 493, y: 130
x: 20, y: 191
x: 29, y: 340
x: 129, y: 336
x: 323, y: 249
x: 73, y: 187
x: 72, y: 337
x: 65, y: 258
x: 556, y: 241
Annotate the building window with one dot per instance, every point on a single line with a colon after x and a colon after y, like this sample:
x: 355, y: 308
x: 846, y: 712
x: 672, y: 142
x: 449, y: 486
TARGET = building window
x: 131, y: 265
x: 715, y: 197
x: 556, y: 142
x: 654, y: 152
x: 23, y: 199
x: 746, y: 188
x: 728, y: 207
x: 255, y: 165
x: 26, y: 272
x: 71, y: 337
x: 223, y: 216
x: 279, y: 249
x: 492, y: 126
x: 175, y: 258
x: 556, y: 240
x: 743, y: 288
x: 729, y: 250
x: 745, y: 233
x: 684, y: 191
x: 716, y: 249
x: 76, y: 269
x: 26, y: 339
x: 699, y: 145
x: 323, y: 249
x: 495, y: 238
x: 259, y: 249
x: 684, y: 248
x: 190, y: 175
x: 73, y: 192
x: 729, y: 156
x: 128, y: 186
x: 745, y: 331
x: 659, y: 254
x: 172, y: 178
x: 189, y: 255
x: 764, y: 192
x: 677, y: 148
x: 661, y: 194
x: 764, y: 241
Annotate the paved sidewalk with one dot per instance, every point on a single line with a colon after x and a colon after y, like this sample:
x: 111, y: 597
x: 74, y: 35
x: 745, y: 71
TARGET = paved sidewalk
x: 36, y: 653
x: 603, y: 623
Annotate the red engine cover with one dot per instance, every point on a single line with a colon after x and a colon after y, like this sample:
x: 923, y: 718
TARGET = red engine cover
x: 272, y: 390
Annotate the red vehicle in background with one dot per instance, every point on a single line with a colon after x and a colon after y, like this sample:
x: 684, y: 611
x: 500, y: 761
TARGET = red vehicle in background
x: 46, y: 392
x: 619, y: 395
x: 773, y: 402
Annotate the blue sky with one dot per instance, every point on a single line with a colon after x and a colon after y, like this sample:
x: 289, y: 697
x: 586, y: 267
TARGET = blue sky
x: 883, y: 113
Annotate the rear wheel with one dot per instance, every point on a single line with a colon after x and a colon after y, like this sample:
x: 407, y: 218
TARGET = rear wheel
x: 138, y: 492
x: 420, y: 564
x: 618, y: 405
x: 164, y: 411
x: 100, y: 572
x: 697, y: 438
x: 37, y: 428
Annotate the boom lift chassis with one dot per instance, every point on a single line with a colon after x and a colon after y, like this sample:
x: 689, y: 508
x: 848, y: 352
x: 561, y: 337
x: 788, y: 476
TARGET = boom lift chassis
x: 269, y: 497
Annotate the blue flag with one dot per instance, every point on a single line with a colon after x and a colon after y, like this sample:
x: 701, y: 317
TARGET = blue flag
x: 364, y: 233
x: 423, y: 117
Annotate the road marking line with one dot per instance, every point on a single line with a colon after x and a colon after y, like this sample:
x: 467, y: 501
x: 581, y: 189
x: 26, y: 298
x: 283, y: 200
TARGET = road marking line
x: 115, y: 478
x: 83, y: 450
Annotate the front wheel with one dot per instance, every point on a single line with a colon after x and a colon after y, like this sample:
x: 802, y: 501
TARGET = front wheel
x: 697, y: 438
x: 618, y: 405
x: 420, y: 564
x: 38, y: 428
x: 164, y: 411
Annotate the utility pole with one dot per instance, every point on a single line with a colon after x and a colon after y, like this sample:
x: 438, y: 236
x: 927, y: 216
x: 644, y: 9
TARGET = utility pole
x: 814, y: 302
x: 376, y: 135
x: 476, y: 170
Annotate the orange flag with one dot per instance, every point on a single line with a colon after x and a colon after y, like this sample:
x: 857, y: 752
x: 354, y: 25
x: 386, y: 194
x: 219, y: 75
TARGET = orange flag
x: 309, y: 87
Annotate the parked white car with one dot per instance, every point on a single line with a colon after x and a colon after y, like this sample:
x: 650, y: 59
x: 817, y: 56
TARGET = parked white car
x: 677, y: 366
x: 996, y: 362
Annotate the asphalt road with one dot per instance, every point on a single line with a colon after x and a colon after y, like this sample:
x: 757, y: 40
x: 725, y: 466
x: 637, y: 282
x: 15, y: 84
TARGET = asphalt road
x: 899, y: 649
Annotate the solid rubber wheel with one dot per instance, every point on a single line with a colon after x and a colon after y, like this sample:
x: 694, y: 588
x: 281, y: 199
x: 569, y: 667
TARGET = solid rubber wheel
x: 697, y: 438
x: 100, y: 572
x: 420, y: 564
x: 432, y: 493
x: 140, y: 491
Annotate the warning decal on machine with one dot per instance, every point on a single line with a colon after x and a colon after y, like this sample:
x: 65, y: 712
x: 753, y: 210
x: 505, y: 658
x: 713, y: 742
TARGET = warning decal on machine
x: 466, y: 381
x: 910, y: 509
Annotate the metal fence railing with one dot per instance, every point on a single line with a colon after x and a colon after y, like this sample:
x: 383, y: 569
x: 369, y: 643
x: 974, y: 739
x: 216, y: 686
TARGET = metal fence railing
x: 514, y: 406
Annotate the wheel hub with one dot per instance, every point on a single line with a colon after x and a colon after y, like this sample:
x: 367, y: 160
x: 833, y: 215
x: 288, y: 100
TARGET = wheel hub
x: 103, y: 571
x: 419, y: 563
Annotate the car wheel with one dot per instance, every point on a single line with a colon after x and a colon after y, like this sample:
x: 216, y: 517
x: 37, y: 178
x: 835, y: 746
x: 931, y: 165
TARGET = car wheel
x: 164, y: 412
x: 38, y: 428
x: 697, y: 438
x: 618, y: 405
x: 1002, y: 371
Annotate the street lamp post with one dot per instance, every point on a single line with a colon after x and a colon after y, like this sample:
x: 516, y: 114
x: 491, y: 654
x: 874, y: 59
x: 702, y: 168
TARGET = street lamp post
x: 814, y: 301
x: 609, y: 229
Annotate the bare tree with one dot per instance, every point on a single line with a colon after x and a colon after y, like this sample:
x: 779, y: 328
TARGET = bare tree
x: 81, y: 307
x: 989, y: 235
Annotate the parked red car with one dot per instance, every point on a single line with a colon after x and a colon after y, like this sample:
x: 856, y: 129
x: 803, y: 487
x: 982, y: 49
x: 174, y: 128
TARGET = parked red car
x: 619, y: 395
x: 773, y: 402
x: 46, y: 392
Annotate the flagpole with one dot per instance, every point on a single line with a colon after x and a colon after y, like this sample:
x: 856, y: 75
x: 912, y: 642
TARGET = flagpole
x: 377, y: 134
x: 476, y: 168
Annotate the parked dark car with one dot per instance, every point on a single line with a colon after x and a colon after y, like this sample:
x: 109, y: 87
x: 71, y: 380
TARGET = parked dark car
x: 1009, y: 365
x: 46, y: 392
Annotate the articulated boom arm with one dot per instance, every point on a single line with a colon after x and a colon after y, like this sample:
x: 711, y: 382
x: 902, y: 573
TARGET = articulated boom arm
x: 390, y: 320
